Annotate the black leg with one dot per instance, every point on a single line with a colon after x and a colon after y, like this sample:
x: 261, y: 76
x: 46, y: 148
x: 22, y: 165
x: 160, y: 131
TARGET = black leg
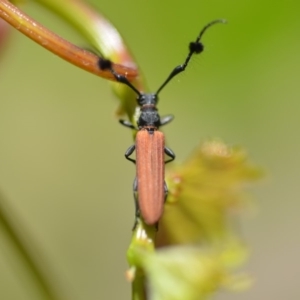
x: 170, y: 153
x: 128, y: 152
x: 166, y: 119
x: 127, y: 124
x: 136, y: 204
x: 166, y: 191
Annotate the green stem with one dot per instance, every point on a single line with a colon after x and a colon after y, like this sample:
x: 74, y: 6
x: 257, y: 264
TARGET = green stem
x: 28, y: 254
x: 142, y: 243
x: 138, y: 286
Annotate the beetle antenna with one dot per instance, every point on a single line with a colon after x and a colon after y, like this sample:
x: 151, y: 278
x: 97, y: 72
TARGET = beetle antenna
x: 194, y: 47
x: 105, y: 64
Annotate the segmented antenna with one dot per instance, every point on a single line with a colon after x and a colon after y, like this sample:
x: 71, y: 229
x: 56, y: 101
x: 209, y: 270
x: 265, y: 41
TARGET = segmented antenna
x: 106, y: 64
x: 194, y: 47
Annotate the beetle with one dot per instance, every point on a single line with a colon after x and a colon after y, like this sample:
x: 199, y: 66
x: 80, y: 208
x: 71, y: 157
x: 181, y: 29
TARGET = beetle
x: 150, y: 189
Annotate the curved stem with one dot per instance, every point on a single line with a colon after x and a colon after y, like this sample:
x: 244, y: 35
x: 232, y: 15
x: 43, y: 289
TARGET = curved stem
x: 94, y: 27
x: 57, y: 45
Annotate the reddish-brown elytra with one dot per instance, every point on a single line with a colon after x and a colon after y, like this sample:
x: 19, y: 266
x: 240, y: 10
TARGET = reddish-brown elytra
x: 150, y: 174
x: 150, y: 190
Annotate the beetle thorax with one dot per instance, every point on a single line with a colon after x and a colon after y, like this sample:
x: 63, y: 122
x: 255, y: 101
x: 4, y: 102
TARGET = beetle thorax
x: 149, y: 117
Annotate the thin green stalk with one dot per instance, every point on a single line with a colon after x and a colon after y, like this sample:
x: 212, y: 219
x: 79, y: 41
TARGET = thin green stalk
x: 28, y: 253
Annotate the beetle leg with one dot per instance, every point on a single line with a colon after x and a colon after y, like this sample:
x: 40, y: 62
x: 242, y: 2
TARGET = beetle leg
x: 128, y: 152
x: 127, y: 124
x: 166, y: 119
x: 136, y: 204
x: 166, y: 190
x: 169, y: 153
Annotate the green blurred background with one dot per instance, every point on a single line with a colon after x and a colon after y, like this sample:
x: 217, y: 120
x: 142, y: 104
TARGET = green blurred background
x: 62, y: 169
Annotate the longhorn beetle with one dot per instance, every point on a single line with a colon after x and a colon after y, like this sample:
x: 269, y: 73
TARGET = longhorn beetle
x: 150, y: 189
